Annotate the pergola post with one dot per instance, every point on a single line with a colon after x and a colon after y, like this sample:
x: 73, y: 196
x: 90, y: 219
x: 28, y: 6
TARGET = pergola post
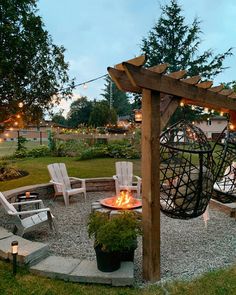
x: 131, y: 76
x: 151, y: 184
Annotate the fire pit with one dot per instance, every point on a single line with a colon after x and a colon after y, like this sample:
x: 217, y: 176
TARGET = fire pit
x: 124, y: 201
x: 113, y: 205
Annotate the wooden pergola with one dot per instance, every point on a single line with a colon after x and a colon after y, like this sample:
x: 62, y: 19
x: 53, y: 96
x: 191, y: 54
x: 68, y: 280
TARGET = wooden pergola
x: 161, y: 95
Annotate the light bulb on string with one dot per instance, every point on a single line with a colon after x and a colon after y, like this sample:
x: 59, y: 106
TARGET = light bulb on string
x: 181, y: 104
x: 20, y: 104
x: 85, y: 86
x: 231, y: 126
x: 221, y: 114
x: 206, y: 110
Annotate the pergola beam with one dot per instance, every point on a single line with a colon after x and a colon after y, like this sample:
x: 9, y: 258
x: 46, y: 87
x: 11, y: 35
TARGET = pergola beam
x: 144, y: 78
x: 121, y: 80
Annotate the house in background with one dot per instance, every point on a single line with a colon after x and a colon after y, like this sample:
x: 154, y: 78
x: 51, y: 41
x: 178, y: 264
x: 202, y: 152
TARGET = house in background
x: 213, y: 126
x: 32, y: 132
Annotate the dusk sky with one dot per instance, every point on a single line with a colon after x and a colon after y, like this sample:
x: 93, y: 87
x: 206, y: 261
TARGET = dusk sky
x: 102, y: 33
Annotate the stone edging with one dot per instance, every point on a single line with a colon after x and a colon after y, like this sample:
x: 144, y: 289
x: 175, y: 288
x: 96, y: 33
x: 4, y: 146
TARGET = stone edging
x: 47, y: 190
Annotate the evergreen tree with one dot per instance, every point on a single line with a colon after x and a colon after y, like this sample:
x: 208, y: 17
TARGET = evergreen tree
x: 176, y: 43
x: 119, y: 100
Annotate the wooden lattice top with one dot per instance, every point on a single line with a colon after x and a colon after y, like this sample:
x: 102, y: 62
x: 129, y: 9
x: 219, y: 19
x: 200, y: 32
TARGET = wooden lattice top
x: 131, y: 76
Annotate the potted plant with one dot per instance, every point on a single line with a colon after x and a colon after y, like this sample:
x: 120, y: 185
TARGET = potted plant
x: 115, y: 238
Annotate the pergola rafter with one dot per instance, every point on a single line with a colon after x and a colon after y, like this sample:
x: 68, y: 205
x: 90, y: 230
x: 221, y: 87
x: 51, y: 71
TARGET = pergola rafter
x: 161, y: 94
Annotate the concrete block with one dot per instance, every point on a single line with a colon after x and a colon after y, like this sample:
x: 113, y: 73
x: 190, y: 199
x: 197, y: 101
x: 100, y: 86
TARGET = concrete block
x: 28, y: 253
x: 55, y: 267
x: 87, y: 272
x: 4, y: 233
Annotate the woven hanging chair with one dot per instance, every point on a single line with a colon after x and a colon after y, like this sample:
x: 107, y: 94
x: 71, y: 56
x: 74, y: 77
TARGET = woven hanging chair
x: 186, y: 171
x: 224, y: 155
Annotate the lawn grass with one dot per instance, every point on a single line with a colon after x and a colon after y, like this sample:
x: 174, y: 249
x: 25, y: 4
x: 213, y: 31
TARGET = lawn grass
x: 8, y: 148
x: 38, y: 173
x: 222, y: 282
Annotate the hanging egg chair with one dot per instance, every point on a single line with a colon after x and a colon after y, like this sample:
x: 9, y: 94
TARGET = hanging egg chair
x: 224, y: 155
x: 185, y: 171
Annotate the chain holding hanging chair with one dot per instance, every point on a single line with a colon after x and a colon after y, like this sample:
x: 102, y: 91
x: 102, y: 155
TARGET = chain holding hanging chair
x: 186, y: 171
x: 224, y: 154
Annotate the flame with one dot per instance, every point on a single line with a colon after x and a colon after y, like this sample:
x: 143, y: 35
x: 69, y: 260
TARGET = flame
x: 123, y: 200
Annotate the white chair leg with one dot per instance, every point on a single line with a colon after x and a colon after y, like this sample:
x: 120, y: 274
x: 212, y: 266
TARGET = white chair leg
x: 85, y: 195
x: 66, y: 199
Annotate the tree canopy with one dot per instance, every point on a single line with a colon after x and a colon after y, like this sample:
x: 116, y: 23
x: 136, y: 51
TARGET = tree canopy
x: 79, y: 113
x: 32, y: 69
x: 176, y: 43
x: 101, y: 114
x: 120, y: 100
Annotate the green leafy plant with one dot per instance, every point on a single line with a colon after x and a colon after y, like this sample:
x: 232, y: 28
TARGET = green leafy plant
x: 70, y: 148
x: 21, y: 141
x: 118, y: 233
x: 39, y: 151
x: 94, y: 152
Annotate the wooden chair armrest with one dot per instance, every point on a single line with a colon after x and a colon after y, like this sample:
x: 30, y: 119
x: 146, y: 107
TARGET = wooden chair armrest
x: 138, y: 178
x: 57, y: 183
x: 30, y: 211
x: 76, y: 178
x: 27, y: 202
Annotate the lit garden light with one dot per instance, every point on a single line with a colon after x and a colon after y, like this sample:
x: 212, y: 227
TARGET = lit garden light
x: 138, y: 116
x: 14, y: 252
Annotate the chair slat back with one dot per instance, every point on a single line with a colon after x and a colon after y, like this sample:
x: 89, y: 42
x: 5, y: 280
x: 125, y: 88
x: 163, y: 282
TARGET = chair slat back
x: 124, y: 172
x: 6, y: 205
x: 58, y: 173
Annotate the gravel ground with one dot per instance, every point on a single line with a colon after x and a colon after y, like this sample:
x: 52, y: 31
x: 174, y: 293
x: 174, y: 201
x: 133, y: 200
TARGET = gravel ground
x: 188, y: 249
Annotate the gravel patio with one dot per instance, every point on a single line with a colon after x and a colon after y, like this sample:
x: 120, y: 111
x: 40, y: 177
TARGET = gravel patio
x: 188, y: 248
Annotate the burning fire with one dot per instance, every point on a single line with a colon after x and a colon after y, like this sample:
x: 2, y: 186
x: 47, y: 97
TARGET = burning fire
x: 124, y: 201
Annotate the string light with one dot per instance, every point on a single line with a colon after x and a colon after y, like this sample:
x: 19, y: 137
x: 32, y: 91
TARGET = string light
x: 206, y: 110
x: 193, y: 107
x: 181, y: 104
x: 231, y: 126
x: 221, y: 114
x: 20, y: 104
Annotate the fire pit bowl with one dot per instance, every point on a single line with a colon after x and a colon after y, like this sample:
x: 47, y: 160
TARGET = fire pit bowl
x: 123, y: 201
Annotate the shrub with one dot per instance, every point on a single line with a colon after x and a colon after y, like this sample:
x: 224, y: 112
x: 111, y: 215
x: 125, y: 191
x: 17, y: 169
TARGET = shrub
x: 69, y: 148
x: 118, y: 233
x: 40, y: 151
x: 99, y: 151
x: 115, y: 149
x: 20, y: 153
x: 122, y: 149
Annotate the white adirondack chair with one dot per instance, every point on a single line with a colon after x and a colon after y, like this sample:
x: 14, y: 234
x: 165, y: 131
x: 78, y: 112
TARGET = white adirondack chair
x: 227, y: 184
x: 61, y: 181
x: 34, y: 217
x: 124, y: 178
